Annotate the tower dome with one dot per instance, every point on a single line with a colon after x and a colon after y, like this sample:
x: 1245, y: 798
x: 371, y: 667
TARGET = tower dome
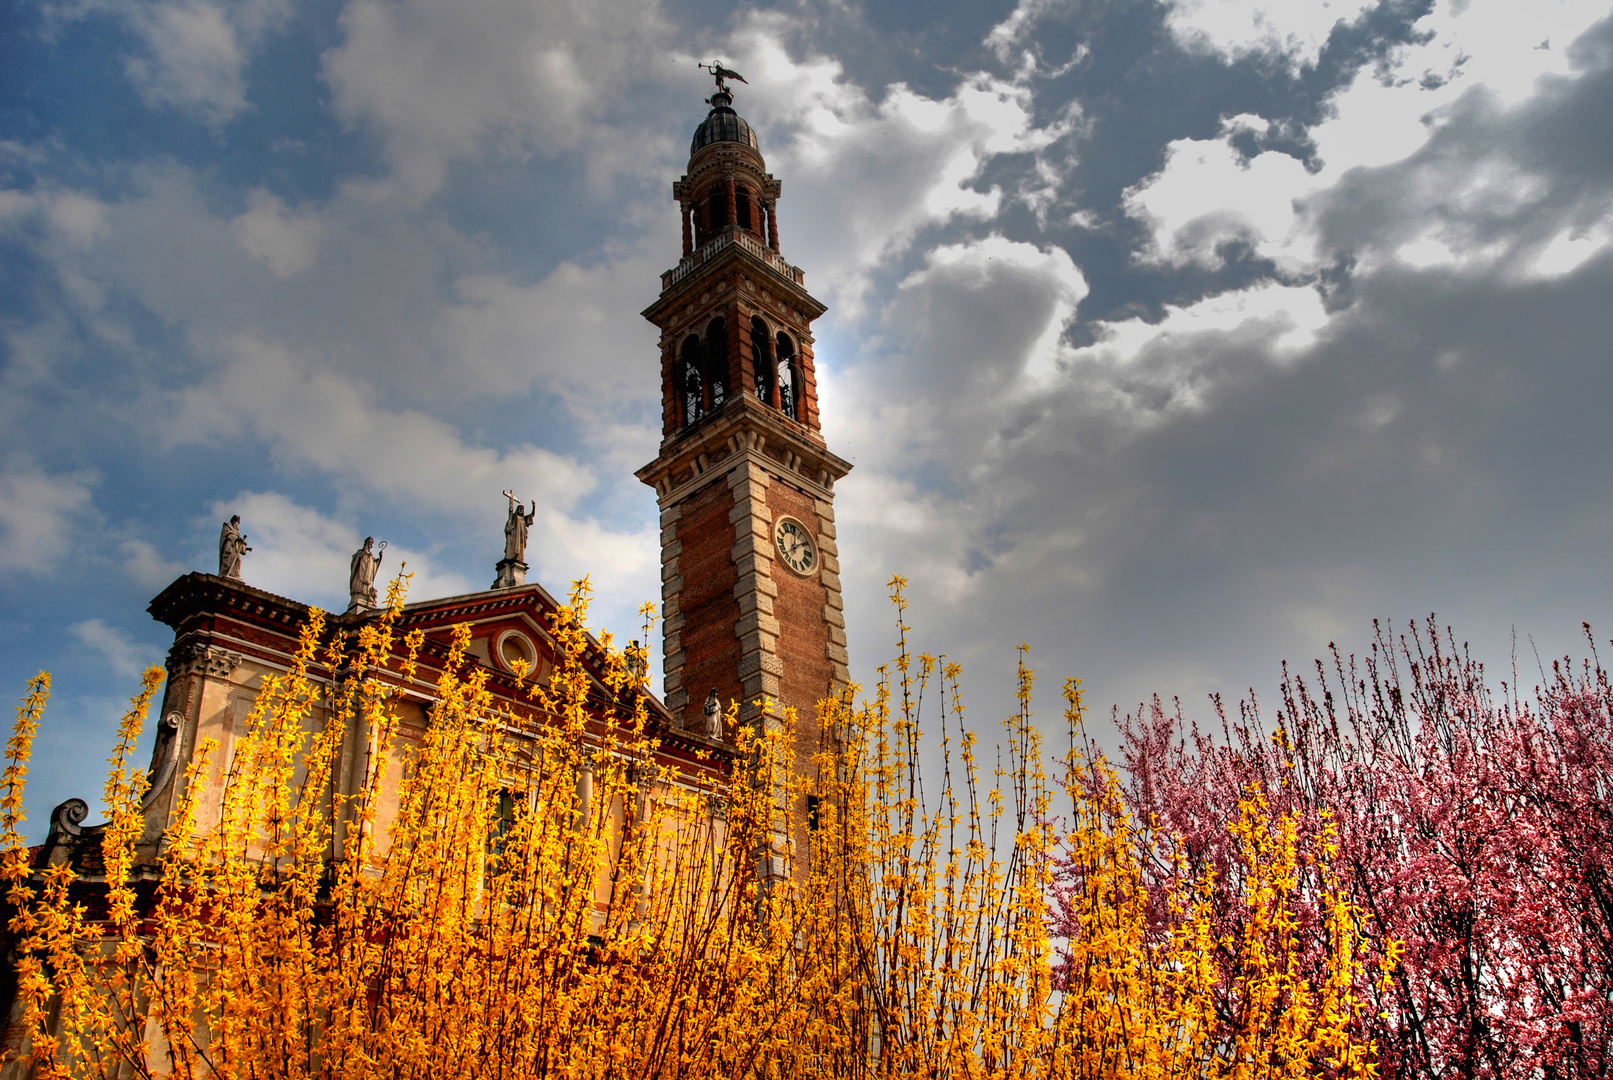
x: 723, y: 124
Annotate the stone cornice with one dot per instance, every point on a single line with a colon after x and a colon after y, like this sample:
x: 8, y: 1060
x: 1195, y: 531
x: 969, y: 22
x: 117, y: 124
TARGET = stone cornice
x: 736, y: 255
x: 197, y: 594
x: 744, y: 426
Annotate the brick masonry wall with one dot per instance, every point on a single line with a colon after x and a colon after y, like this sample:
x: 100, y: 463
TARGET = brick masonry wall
x: 699, y: 605
x: 803, y: 638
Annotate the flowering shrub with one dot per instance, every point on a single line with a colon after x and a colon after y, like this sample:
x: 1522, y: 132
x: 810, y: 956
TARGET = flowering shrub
x: 1475, y: 829
x: 604, y: 933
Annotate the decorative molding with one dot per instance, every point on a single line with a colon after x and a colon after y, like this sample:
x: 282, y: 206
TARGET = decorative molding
x: 198, y: 658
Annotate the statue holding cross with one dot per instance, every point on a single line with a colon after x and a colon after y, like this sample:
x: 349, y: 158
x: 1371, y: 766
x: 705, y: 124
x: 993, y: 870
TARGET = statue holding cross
x: 512, y: 568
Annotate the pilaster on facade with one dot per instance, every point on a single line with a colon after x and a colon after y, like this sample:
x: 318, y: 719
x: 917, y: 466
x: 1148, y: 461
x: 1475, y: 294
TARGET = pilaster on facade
x: 673, y: 692
x: 834, y: 604
x: 758, y: 628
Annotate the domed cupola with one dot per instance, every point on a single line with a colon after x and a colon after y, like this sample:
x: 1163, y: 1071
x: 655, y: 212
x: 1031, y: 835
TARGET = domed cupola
x: 727, y: 185
x: 723, y: 124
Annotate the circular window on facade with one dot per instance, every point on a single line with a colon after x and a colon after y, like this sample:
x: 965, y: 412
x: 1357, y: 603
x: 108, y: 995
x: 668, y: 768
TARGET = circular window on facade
x: 515, y: 650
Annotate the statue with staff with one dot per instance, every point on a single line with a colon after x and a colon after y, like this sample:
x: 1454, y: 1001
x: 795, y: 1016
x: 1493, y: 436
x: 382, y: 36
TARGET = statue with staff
x: 361, y: 576
x: 231, y: 546
x: 515, y: 528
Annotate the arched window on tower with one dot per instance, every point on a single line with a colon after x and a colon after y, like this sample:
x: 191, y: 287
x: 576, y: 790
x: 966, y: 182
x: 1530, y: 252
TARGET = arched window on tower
x: 761, y: 350
x: 716, y: 210
x: 691, y: 383
x: 789, y: 379
x: 717, y: 362
x: 742, y: 208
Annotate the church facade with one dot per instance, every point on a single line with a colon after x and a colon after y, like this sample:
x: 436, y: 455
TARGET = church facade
x: 752, y: 612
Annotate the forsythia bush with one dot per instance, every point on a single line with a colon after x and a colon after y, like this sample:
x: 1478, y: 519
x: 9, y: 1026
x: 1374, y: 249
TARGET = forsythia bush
x: 971, y: 929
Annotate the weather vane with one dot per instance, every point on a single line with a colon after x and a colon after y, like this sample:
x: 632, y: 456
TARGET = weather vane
x: 722, y: 74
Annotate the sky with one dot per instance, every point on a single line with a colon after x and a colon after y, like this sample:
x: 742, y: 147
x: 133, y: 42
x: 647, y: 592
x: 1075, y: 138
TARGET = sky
x: 1172, y: 339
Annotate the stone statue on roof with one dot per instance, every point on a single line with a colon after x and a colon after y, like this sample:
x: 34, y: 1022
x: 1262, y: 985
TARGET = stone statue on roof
x: 231, y: 546
x: 516, y: 526
x: 361, y: 576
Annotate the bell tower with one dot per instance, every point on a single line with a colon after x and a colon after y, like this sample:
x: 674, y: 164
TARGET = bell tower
x: 749, y: 565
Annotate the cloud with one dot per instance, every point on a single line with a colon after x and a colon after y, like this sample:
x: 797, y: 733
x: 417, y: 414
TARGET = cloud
x: 437, y: 83
x: 73, y: 219
x: 1294, y: 31
x: 312, y: 415
x: 143, y: 563
x: 190, y: 55
x: 1572, y: 248
x: 1208, y: 195
x: 507, y: 338
x: 284, y: 242
x: 192, y: 59
x: 1281, y: 321
x: 122, y: 653
x: 866, y: 176
x: 1002, y: 307
x: 38, y: 511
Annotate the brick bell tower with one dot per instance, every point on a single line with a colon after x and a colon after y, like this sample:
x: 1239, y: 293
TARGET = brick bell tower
x: 750, y: 573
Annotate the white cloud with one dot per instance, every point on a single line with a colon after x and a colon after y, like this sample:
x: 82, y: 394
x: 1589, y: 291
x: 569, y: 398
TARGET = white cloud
x: 1207, y: 194
x: 191, y: 55
x: 143, y: 563
x: 1502, y: 45
x: 1570, y: 249
x: 122, y: 653
x: 1285, y: 318
x: 1295, y: 30
x: 442, y: 81
x: 283, y: 241
x: 314, y: 415
x: 193, y: 60
x: 568, y: 334
x: 73, y: 219
x: 37, y: 514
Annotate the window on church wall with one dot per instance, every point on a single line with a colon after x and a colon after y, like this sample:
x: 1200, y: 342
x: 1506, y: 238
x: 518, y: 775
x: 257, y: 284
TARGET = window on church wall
x: 693, y: 390
x: 717, y: 362
x: 503, y: 820
x: 789, y: 378
x: 761, y: 359
x: 716, y: 209
x: 742, y: 208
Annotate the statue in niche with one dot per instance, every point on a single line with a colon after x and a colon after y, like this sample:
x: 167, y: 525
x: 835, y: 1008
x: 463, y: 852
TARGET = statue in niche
x: 515, y: 528
x: 361, y: 578
x: 231, y: 546
x: 713, y: 712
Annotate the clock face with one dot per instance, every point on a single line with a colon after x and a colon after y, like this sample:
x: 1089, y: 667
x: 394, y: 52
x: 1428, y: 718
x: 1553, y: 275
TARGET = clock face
x: 795, y: 545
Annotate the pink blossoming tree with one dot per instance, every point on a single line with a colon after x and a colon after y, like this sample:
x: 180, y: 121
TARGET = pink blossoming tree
x: 1474, y: 828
